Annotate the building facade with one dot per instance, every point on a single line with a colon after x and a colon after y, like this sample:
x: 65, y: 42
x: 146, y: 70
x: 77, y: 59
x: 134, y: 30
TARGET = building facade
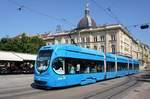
x: 107, y: 38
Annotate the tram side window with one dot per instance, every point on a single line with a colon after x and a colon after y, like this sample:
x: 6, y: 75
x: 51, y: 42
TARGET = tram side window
x: 100, y: 67
x: 125, y: 66
x: 89, y: 66
x: 85, y: 69
x: 136, y: 66
x: 70, y: 66
x: 82, y: 66
x: 110, y: 66
x: 122, y: 66
x: 58, y: 66
x: 130, y: 66
x: 93, y: 67
x: 119, y: 66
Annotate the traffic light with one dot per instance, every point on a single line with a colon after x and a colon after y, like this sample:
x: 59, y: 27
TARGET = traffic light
x: 144, y: 26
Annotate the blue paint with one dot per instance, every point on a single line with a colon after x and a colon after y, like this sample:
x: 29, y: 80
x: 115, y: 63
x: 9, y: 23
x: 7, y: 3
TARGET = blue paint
x: 122, y: 59
x: 111, y: 75
x: 110, y: 57
x: 50, y: 78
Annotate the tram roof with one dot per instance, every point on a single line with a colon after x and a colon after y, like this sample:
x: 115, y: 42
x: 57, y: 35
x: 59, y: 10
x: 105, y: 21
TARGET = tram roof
x: 73, y: 48
x: 130, y: 60
x: 122, y: 59
x: 110, y: 57
x: 135, y: 61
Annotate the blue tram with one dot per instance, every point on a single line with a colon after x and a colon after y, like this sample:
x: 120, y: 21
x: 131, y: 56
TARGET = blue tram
x: 67, y: 65
x: 122, y: 66
x: 111, y: 61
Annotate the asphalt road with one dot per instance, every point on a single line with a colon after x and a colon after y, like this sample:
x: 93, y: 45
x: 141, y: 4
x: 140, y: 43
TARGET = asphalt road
x: 19, y: 87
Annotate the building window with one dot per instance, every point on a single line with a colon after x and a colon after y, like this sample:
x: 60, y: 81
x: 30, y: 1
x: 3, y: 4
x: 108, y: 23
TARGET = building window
x: 113, y: 49
x: 126, y: 49
x: 95, y: 39
x: 58, y: 41
x: 87, y: 46
x: 113, y: 37
x: 102, y: 38
x: 78, y: 40
x: 66, y: 41
x: 95, y: 47
x: 87, y: 39
x: 53, y: 43
x: 75, y: 40
x: 49, y: 43
x: 72, y: 41
x: 82, y: 39
x: 102, y: 48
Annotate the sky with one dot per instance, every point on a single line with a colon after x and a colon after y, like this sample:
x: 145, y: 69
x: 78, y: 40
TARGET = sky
x: 41, y: 16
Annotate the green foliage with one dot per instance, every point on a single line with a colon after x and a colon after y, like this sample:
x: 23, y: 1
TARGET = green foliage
x: 23, y: 44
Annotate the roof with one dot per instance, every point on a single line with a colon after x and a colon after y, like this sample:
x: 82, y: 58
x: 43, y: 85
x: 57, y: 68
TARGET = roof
x: 135, y: 61
x: 70, y: 47
x: 78, y: 52
x: 122, y: 59
x: 13, y: 56
x: 26, y: 56
x: 111, y: 57
x: 9, y: 56
x: 86, y: 21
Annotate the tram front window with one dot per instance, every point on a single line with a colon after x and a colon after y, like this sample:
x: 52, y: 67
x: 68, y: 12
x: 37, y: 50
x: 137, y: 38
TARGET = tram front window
x: 43, y: 60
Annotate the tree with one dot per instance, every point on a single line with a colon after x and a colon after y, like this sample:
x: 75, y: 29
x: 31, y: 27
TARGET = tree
x: 22, y: 43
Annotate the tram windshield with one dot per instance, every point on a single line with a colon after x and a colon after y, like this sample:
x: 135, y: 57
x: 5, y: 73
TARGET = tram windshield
x: 43, y: 60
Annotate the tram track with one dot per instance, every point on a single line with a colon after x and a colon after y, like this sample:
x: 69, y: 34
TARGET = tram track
x: 116, y: 91
x: 16, y: 93
x: 113, y: 91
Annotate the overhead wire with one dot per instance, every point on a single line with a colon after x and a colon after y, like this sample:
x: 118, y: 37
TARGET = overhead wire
x: 108, y: 11
x: 137, y: 25
x: 21, y: 7
x: 111, y: 14
x: 114, y: 16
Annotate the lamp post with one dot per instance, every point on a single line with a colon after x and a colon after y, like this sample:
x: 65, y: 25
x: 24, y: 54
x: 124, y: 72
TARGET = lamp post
x: 105, y: 49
